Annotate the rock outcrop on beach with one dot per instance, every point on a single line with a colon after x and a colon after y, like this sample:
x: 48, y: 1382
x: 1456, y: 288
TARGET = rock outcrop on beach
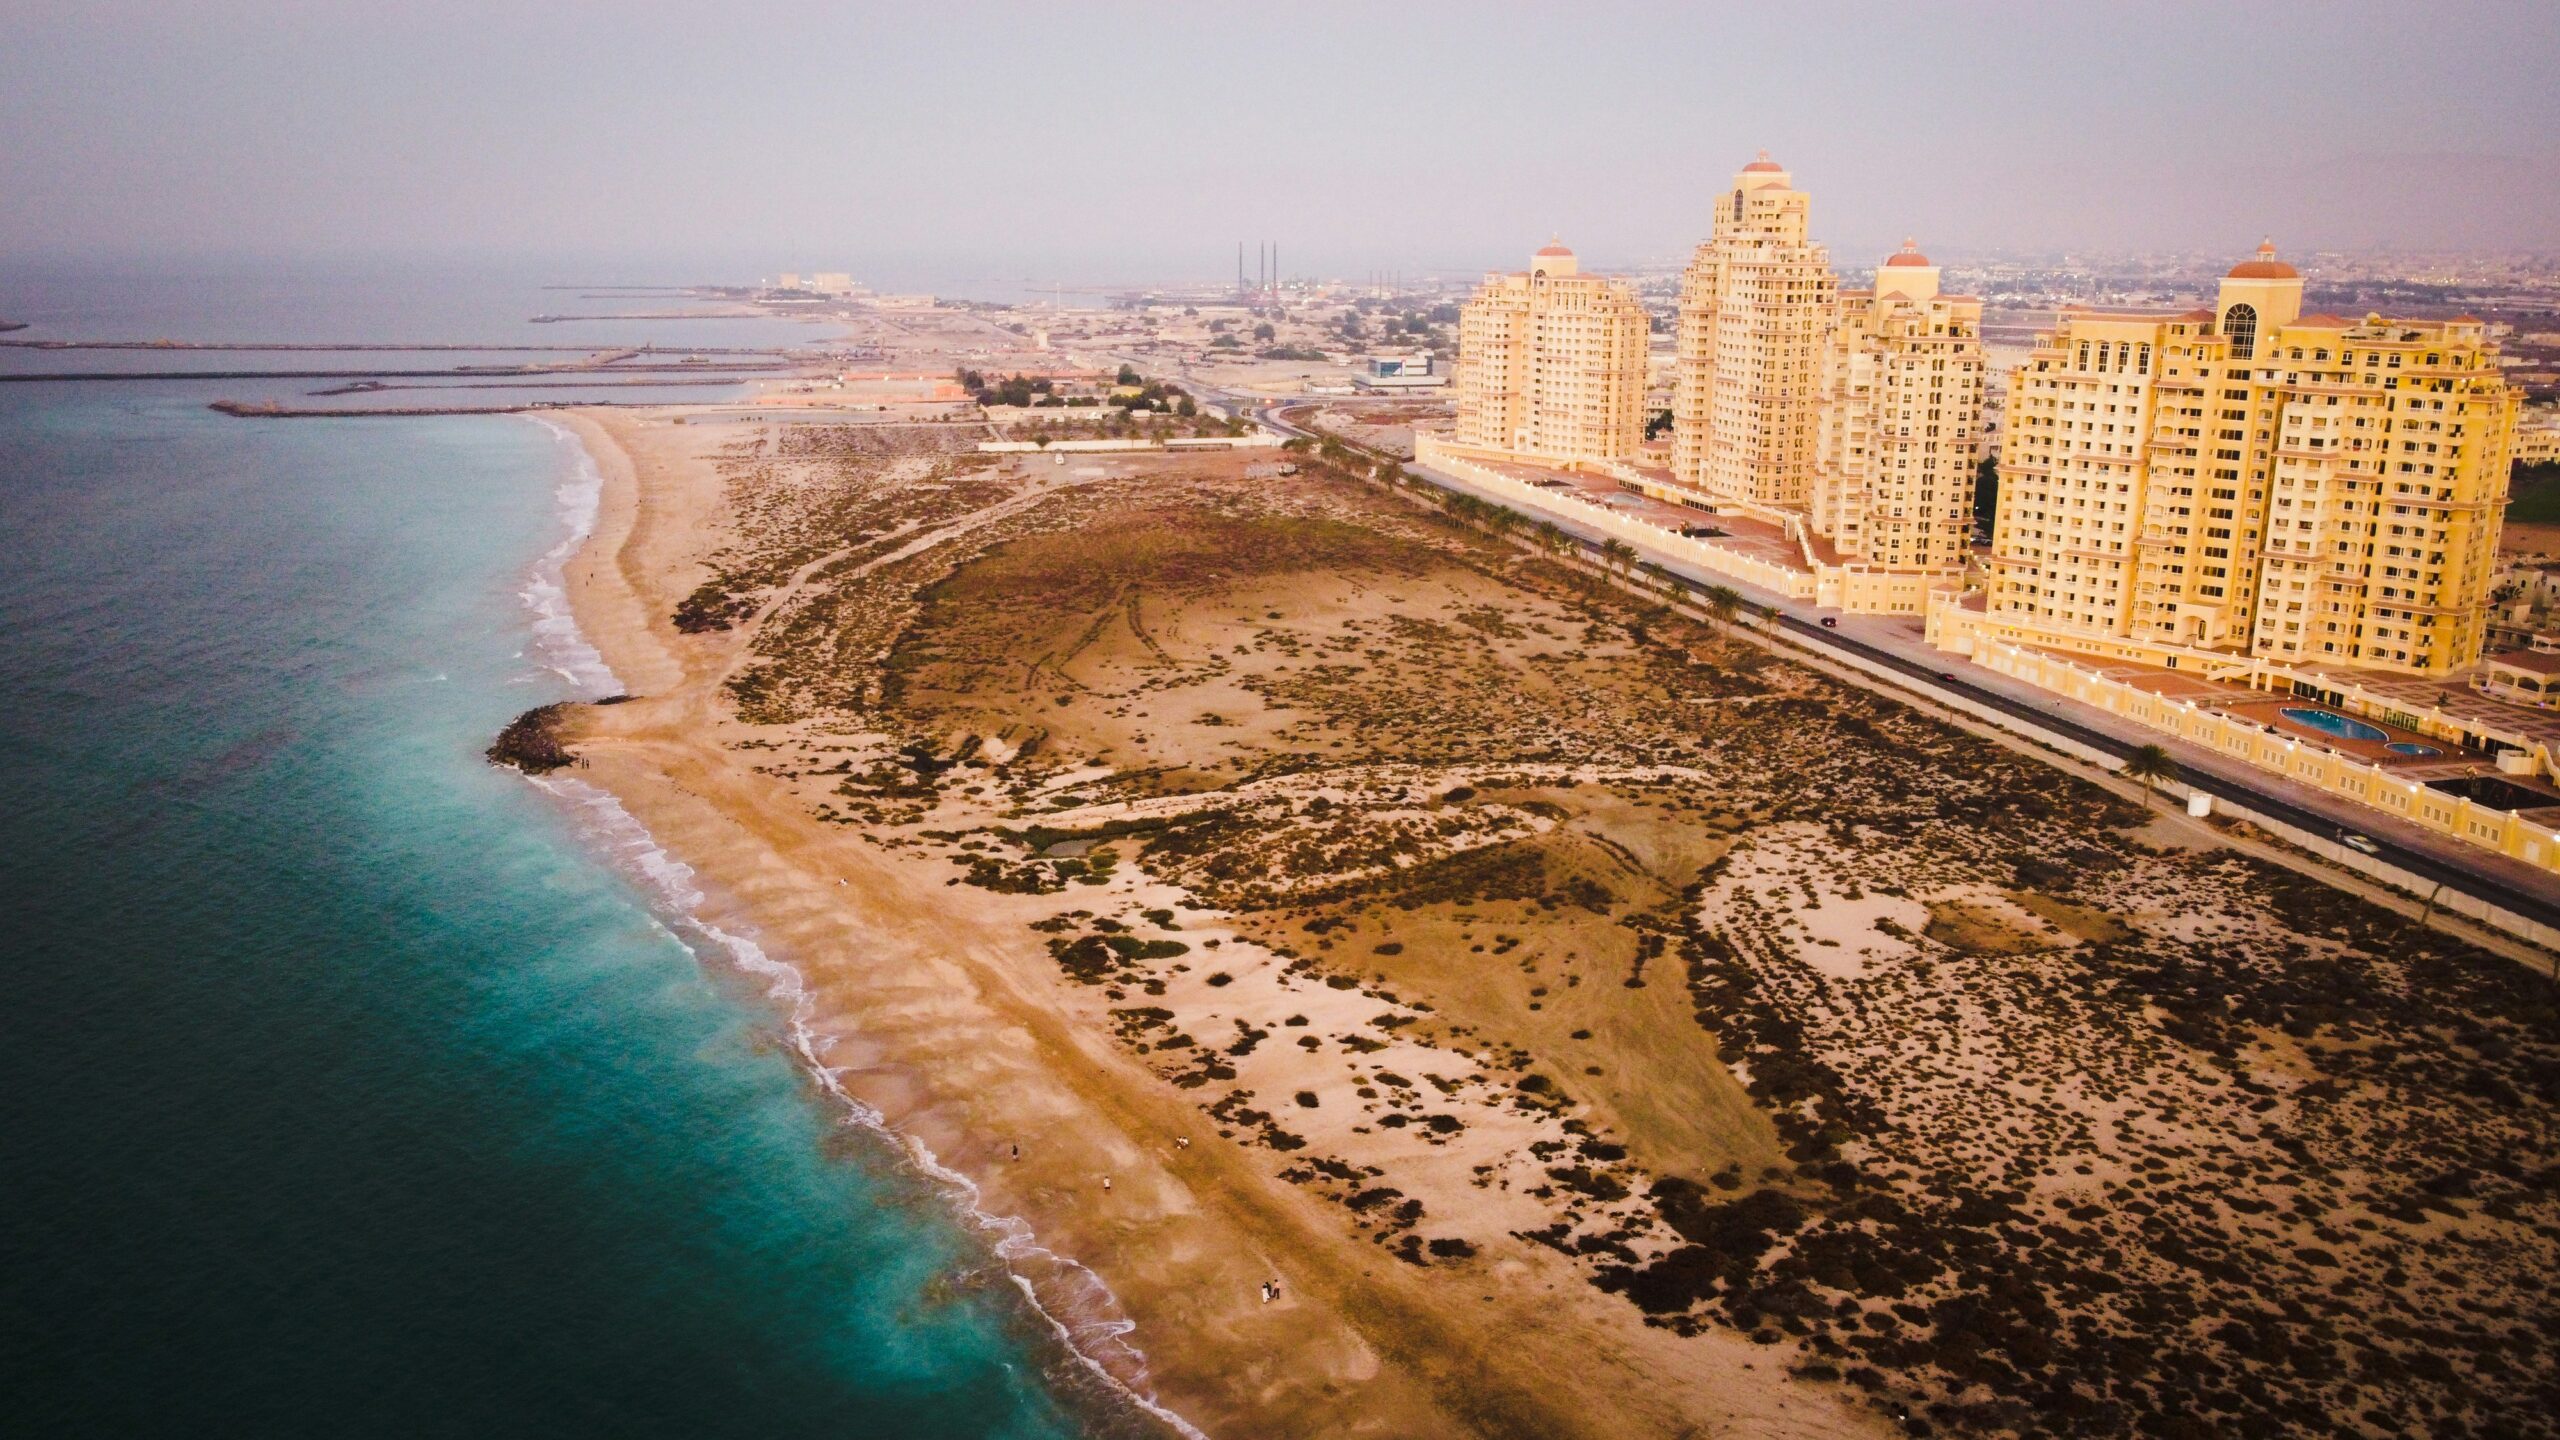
x: 531, y: 742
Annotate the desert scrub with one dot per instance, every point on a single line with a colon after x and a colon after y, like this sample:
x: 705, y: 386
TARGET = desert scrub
x: 711, y: 607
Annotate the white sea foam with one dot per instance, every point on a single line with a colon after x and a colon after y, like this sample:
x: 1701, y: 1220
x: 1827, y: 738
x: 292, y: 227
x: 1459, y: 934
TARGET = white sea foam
x: 1074, y: 1301
x: 1068, y: 1296
x: 558, y: 644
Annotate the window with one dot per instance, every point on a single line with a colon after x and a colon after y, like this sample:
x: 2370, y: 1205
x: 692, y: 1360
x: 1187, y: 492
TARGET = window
x: 2240, y: 322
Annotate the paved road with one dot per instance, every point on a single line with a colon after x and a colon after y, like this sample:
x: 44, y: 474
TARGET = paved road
x: 1901, y: 648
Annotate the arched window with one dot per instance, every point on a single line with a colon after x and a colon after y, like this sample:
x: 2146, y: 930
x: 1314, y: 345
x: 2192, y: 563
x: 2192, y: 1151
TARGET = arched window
x: 2240, y: 322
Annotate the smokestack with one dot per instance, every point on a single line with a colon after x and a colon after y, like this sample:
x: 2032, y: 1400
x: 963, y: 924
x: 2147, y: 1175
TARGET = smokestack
x: 1239, y: 265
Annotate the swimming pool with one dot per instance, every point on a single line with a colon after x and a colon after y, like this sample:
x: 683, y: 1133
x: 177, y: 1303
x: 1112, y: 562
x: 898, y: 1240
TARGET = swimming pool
x: 2333, y: 723
x: 2403, y: 747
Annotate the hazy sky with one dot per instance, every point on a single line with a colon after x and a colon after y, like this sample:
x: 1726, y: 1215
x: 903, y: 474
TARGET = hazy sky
x: 1100, y: 141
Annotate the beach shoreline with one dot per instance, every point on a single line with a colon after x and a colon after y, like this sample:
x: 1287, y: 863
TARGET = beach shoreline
x: 575, y: 596
x: 933, y: 1016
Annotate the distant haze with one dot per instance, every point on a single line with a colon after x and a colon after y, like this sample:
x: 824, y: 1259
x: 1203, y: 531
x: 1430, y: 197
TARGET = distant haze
x: 1097, y: 142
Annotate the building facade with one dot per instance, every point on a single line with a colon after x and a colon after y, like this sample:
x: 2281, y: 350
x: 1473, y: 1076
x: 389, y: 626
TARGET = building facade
x: 1756, y: 309
x: 2249, y: 480
x: 1896, y: 420
x: 1850, y: 416
x: 1551, y: 364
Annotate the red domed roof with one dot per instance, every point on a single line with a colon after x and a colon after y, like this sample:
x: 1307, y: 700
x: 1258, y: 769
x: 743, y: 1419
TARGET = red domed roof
x: 2265, y: 267
x: 1909, y: 254
x: 1553, y: 247
x: 1763, y: 164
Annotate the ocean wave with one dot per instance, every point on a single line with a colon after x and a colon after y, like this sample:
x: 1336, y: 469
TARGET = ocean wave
x: 1077, y: 1305
x: 558, y: 644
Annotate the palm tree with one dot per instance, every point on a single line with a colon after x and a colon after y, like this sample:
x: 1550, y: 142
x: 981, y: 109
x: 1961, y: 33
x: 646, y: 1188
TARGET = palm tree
x: 1723, y: 602
x: 2152, y: 766
x: 1551, y: 536
x: 1617, y: 554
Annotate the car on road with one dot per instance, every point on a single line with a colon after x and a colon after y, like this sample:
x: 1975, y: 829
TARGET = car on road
x: 1830, y: 622
x: 2354, y: 841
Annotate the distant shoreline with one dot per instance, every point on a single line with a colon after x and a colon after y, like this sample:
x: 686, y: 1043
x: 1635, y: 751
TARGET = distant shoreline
x: 261, y: 410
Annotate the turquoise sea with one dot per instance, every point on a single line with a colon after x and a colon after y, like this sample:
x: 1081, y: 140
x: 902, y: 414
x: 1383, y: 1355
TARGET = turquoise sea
x: 354, y: 1087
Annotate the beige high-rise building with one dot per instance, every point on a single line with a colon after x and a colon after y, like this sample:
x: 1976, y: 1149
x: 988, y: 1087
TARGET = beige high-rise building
x: 1551, y: 363
x: 1756, y: 312
x: 1899, y: 408
x: 1852, y: 414
x: 2250, y: 480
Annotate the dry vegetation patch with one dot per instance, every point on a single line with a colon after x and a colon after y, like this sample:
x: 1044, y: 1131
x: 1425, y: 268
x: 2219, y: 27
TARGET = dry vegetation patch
x: 1504, y: 912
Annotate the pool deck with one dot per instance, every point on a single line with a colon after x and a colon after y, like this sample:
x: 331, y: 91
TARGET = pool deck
x: 2266, y: 710
x: 2455, y: 696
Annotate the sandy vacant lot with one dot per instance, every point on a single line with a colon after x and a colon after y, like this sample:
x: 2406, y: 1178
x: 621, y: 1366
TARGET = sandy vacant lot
x: 1600, y: 1026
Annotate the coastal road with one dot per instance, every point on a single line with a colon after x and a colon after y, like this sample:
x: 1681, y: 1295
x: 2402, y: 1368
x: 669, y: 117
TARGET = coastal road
x: 1899, y: 647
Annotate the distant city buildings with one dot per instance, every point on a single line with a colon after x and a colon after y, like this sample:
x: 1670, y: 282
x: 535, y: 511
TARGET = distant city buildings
x: 2538, y: 439
x: 825, y: 282
x: 1551, y: 364
x: 1416, y: 371
x: 2245, y: 479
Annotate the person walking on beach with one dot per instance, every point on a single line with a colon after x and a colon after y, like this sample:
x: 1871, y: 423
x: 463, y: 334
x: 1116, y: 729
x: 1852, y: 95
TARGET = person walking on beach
x: 1106, y: 1184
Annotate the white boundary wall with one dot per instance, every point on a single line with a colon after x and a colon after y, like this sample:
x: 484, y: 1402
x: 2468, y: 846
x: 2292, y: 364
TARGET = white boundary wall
x: 1662, y: 540
x: 1261, y: 440
x: 2327, y: 847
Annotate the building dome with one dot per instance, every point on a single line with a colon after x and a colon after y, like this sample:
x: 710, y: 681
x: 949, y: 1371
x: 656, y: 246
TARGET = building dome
x: 2265, y: 267
x: 1552, y: 249
x: 1909, y: 254
x: 1764, y: 165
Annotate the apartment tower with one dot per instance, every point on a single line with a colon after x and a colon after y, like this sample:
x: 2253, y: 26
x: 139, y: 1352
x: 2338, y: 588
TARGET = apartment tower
x: 1551, y: 363
x: 1755, y: 312
x: 1896, y: 418
x: 2247, y: 479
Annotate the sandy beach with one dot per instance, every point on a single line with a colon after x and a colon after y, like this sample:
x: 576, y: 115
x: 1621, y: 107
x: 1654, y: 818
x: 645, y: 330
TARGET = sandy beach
x: 1230, y: 878
x: 941, y: 1012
